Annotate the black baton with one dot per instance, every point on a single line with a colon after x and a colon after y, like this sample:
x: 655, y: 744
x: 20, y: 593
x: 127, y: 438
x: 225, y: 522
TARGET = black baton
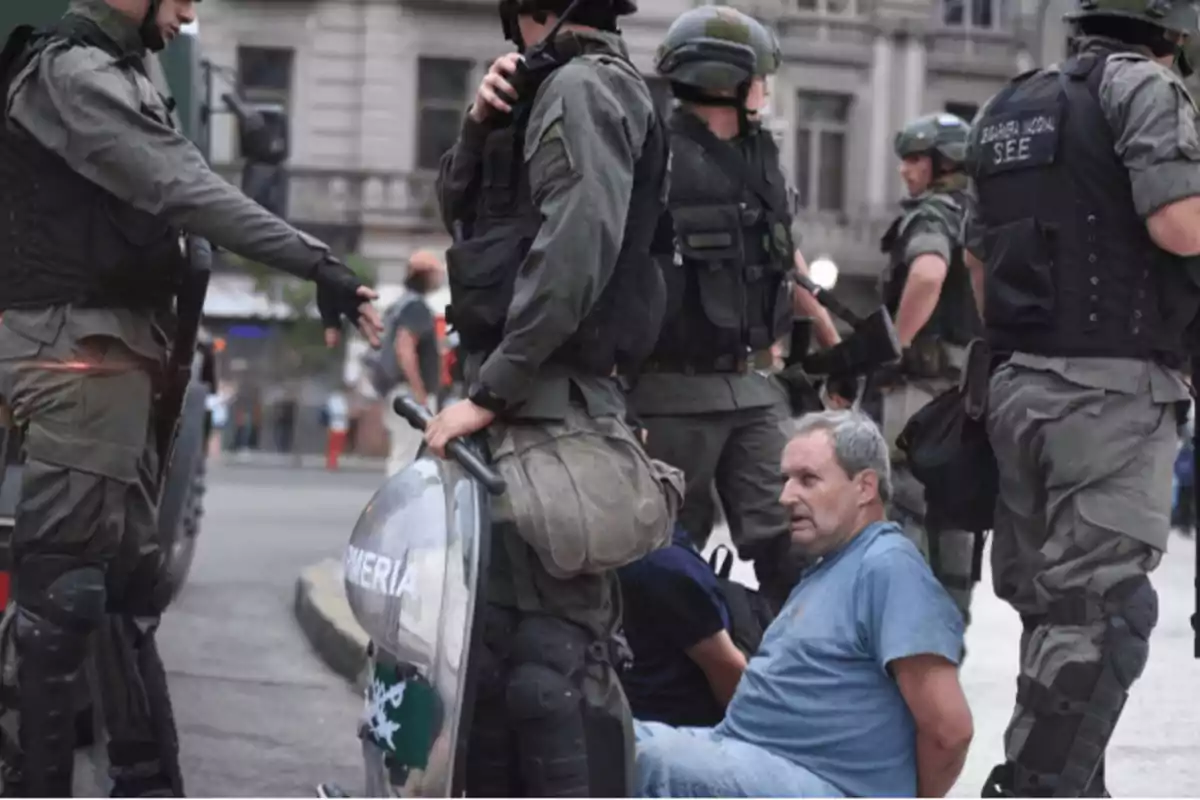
x: 417, y: 416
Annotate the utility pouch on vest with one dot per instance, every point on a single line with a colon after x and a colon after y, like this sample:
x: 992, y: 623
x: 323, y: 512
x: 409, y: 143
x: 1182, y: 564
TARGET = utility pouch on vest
x: 947, y: 449
x: 584, y: 494
x: 1020, y: 268
x: 711, y: 239
x: 482, y: 272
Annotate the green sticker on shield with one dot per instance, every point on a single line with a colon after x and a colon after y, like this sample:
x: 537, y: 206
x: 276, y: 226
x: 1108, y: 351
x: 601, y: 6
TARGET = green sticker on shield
x: 400, y: 716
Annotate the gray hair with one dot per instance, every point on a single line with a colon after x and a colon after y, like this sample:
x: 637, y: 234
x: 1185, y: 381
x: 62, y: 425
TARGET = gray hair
x: 858, y: 443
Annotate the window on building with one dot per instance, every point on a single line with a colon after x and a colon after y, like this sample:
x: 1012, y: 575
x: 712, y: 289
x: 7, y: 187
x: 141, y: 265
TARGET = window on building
x: 822, y: 128
x: 831, y: 7
x: 443, y: 93
x: 265, y: 74
x: 964, y: 111
x: 974, y: 13
x: 264, y: 78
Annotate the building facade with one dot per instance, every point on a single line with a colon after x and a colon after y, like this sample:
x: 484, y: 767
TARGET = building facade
x: 376, y: 89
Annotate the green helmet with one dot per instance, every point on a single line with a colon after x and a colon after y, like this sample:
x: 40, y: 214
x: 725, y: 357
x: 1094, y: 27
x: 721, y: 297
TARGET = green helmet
x: 1179, y: 16
x: 942, y: 133
x: 716, y: 48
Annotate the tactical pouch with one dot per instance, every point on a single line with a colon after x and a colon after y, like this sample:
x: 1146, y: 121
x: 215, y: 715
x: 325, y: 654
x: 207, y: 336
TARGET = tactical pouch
x: 711, y: 239
x: 481, y: 272
x: 947, y: 449
x: 584, y: 494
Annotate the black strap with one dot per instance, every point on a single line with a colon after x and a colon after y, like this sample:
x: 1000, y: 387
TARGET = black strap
x: 729, y: 161
x: 723, y: 571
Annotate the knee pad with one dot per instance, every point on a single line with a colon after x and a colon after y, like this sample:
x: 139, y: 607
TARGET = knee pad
x: 548, y: 656
x: 58, y: 602
x: 575, y: 738
x: 1133, y: 614
x: 1076, y: 715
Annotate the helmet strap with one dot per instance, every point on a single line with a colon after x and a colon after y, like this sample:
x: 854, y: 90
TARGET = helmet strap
x: 149, y: 33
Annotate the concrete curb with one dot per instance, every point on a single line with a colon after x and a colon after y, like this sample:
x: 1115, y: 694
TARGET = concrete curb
x: 325, y: 617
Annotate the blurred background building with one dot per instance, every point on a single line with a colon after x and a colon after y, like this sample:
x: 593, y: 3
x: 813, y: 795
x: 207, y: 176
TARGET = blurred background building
x: 366, y: 95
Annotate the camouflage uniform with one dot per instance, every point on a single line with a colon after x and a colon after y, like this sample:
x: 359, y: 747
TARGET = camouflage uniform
x: 707, y: 402
x: 930, y: 225
x: 1085, y: 444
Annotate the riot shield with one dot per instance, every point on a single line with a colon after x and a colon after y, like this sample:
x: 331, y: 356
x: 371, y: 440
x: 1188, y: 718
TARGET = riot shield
x: 414, y: 575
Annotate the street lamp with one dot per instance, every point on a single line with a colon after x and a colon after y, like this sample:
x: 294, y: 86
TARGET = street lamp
x: 824, y: 272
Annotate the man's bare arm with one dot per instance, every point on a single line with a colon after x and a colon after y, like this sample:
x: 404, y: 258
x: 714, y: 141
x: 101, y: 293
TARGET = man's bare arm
x: 804, y: 304
x: 931, y: 689
x: 722, y: 664
x: 920, y: 297
x: 410, y: 365
x: 975, y: 268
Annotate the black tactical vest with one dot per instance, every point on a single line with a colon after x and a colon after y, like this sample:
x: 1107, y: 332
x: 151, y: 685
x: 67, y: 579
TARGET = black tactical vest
x: 482, y: 264
x: 954, y: 319
x: 727, y: 293
x: 63, y: 239
x: 1071, y: 269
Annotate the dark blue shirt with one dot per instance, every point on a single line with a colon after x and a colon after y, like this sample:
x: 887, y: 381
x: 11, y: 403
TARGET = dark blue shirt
x: 671, y: 602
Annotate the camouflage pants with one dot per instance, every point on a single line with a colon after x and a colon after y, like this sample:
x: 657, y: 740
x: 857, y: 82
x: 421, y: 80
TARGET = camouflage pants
x: 85, y: 548
x: 951, y: 553
x: 1082, y: 472
x: 551, y: 718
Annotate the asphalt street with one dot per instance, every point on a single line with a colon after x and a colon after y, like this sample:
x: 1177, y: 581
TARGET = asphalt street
x: 258, y: 713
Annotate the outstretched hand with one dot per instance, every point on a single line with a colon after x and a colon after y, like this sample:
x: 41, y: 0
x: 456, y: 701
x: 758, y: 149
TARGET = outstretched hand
x: 370, y: 323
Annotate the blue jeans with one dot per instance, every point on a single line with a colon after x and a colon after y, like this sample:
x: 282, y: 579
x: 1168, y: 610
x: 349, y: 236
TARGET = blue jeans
x: 696, y: 762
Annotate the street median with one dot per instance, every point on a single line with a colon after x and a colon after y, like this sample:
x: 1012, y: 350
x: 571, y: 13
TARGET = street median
x: 325, y: 617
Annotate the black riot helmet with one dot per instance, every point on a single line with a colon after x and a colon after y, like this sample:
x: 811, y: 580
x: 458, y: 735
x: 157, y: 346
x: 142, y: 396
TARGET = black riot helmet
x: 1165, y: 26
x: 600, y: 14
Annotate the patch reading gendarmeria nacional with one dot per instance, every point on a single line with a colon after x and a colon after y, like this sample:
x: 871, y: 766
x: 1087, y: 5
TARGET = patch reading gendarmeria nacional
x: 1019, y: 139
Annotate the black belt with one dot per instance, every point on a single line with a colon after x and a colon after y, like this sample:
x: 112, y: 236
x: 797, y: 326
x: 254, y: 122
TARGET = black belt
x: 725, y: 365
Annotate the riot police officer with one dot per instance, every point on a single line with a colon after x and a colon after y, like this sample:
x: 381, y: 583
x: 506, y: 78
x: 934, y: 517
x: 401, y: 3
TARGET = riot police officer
x: 555, y: 195
x: 1087, y: 175
x: 926, y: 288
x: 95, y: 189
x: 704, y: 396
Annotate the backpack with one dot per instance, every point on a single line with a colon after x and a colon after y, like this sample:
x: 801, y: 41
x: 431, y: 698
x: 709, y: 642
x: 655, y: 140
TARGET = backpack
x: 382, y: 368
x: 749, y: 612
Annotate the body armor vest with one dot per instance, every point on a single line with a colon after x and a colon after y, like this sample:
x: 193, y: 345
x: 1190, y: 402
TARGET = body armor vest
x: 727, y: 292
x: 954, y: 319
x: 483, y: 263
x: 63, y: 239
x: 1071, y: 269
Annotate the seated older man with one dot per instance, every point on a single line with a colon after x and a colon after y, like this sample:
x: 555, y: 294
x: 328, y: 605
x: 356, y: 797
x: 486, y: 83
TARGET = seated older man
x: 855, y: 689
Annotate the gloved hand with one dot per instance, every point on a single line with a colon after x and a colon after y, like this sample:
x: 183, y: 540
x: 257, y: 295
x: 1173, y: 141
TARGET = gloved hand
x: 342, y: 294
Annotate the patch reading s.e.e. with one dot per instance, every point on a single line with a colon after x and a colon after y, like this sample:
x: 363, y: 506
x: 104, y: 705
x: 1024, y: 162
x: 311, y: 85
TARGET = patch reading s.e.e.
x: 1018, y: 139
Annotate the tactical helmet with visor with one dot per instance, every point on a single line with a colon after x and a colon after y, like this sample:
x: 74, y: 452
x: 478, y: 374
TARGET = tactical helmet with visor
x: 601, y: 14
x: 716, y: 49
x: 942, y: 136
x: 1165, y: 26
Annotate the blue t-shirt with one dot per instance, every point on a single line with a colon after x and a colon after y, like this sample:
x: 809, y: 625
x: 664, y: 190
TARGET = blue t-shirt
x: 818, y: 692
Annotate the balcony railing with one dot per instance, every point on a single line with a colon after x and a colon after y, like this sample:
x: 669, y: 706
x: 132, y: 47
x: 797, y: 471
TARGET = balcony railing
x: 357, y: 198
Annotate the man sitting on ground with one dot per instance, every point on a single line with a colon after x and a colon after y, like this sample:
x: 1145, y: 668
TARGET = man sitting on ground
x: 854, y: 691
x: 685, y: 662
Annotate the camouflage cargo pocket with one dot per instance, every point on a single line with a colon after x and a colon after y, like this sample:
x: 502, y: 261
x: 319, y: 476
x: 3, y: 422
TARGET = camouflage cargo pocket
x: 584, y: 494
